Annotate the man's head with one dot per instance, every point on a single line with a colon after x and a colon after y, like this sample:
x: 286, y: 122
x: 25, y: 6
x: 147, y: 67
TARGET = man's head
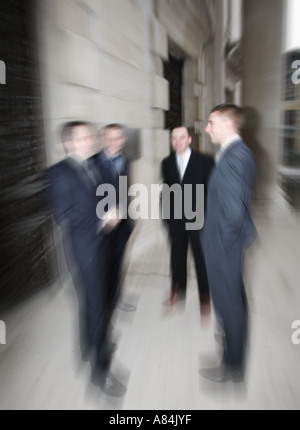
x: 78, y: 139
x: 114, y: 138
x: 225, y: 121
x: 180, y: 139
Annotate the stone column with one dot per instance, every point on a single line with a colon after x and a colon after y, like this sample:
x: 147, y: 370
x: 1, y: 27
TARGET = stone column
x: 220, y: 41
x: 261, y: 89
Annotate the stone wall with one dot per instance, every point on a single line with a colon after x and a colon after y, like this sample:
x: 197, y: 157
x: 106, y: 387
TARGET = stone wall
x: 102, y: 61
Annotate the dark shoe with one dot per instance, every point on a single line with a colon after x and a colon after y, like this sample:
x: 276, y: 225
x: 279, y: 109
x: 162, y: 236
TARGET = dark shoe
x: 237, y: 376
x: 112, y: 387
x: 205, y: 312
x: 216, y: 374
x: 205, y: 309
x: 126, y: 307
x: 221, y: 374
x: 174, y: 297
x: 171, y: 300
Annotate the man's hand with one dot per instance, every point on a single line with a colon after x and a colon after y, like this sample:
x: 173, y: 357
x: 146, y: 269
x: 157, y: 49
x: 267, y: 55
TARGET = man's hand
x: 111, y: 219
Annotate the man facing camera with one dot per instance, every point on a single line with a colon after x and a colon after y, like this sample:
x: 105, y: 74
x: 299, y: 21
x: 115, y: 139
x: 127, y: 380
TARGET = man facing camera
x: 186, y: 167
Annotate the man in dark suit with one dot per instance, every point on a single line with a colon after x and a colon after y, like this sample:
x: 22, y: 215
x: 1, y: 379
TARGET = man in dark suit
x: 185, y: 166
x: 227, y: 231
x: 113, y: 165
x: 72, y: 187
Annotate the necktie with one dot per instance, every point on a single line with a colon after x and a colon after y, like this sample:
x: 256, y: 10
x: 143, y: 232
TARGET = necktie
x: 116, y: 164
x: 90, y: 170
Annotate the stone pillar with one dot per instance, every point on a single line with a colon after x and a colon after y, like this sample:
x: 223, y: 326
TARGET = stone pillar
x: 219, y: 52
x: 261, y: 89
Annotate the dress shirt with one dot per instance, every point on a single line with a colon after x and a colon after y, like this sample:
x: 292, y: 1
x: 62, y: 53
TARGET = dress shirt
x: 182, y: 161
x: 116, y: 162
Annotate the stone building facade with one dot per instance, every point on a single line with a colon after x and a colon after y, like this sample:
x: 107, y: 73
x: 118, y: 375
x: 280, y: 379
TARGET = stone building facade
x: 112, y: 61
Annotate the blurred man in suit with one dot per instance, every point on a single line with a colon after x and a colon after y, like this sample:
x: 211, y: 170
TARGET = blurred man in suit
x: 113, y: 165
x: 72, y: 195
x: 186, y: 166
x: 228, y: 229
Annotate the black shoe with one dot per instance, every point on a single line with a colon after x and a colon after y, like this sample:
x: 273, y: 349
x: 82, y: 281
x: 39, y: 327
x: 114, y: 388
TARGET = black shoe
x: 237, y: 376
x: 216, y: 374
x: 112, y: 387
x: 126, y: 307
x: 222, y: 374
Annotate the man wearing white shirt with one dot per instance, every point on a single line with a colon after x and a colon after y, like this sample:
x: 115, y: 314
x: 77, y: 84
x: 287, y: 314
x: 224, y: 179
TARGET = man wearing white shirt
x: 185, y: 166
x: 182, y: 160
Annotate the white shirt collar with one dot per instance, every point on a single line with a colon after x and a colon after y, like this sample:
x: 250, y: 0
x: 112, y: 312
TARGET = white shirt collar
x: 185, y: 156
x: 110, y: 156
x: 230, y: 142
x: 77, y: 158
x: 183, y: 161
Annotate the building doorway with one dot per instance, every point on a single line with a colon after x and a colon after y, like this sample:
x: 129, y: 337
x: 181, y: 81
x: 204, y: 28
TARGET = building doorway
x: 173, y: 69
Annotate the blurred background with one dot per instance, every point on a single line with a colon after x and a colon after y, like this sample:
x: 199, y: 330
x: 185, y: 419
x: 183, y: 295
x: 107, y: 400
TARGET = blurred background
x: 147, y: 64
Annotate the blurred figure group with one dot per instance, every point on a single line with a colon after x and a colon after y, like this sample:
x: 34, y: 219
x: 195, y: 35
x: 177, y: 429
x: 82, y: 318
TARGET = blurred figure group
x: 218, y: 247
x: 95, y: 245
x: 94, y: 248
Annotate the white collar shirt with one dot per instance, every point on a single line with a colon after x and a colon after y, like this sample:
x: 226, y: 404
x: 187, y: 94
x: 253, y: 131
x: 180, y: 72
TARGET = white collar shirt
x: 226, y: 145
x: 182, y: 161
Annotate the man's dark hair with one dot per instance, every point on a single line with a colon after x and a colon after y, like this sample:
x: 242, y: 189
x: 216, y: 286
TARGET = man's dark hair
x: 67, y: 129
x: 181, y: 126
x: 234, y: 112
x: 114, y: 126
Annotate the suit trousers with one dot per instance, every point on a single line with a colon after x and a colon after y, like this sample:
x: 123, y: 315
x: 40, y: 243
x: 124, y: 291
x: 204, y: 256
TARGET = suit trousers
x: 180, y: 239
x: 115, y: 244
x: 230, y: 302
x: 89, y: 282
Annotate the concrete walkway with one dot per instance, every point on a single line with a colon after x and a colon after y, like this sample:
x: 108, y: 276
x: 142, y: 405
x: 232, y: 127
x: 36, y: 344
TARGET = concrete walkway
x: 159, y: 353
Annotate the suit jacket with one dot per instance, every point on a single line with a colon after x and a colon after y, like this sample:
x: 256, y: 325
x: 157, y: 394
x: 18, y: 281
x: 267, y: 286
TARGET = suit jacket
x: 72, y: 199
x: 197, y: 171
x: 108, y: 176
x: 228, y: 224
